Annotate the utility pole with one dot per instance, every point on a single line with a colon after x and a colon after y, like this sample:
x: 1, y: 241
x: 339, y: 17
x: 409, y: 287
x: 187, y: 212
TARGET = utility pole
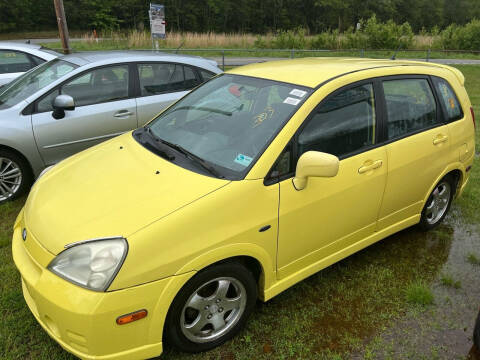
x: 62, y: 25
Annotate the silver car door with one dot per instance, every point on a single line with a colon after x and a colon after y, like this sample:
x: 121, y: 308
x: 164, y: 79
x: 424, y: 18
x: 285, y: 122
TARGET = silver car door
x: 160, y: 85
x: 103, y: 110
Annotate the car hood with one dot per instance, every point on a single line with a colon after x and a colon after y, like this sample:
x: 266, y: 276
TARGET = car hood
x: 113, y: 189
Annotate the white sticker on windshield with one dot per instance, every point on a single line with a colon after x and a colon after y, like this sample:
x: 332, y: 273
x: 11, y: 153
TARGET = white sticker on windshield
x: 243, y: 160
x: 299, y: 93
x: 291, y: 101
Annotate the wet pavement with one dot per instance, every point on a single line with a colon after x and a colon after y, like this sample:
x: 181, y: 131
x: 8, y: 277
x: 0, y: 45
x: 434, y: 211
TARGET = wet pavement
x: 443, y: 330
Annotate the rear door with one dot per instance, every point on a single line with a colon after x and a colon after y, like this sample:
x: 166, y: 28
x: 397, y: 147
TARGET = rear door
x: 160, y: 84
x: 104, y: 109
x: 418, y: 146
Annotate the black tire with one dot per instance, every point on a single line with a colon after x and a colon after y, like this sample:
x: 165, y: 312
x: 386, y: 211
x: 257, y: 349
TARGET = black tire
x: 426, y: 220
x: 476, y: 333
x: 173, y: 333
x: 26, y: 174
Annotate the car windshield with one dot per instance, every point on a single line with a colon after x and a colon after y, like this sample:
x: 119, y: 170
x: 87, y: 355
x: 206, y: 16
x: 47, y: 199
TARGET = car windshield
x: 229, y: 121
x: 32, y: 81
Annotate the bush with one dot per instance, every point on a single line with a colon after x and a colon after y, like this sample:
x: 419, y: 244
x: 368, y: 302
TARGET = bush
x: 290, y: 39
x: 387, y: 35
x: 326, y: 40
x: 461, y: 37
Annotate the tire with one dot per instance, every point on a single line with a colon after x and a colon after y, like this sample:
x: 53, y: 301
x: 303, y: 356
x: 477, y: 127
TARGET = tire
x: 15, y: 175
x: 220, y: 300
x: 438, y: 203
x: 476, y: 333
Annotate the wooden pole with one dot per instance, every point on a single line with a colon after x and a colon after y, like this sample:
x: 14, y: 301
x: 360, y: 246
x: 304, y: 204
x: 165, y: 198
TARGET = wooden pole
x: 62, y: 25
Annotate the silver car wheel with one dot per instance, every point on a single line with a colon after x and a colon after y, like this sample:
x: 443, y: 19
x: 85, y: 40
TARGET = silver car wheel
x: 213, y: 309
x: 438, y: 202
x: 10, y: 178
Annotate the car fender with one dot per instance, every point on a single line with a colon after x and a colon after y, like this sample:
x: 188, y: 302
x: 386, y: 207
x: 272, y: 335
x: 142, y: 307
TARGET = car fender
x: 229, y: 251
x: 454, y: 166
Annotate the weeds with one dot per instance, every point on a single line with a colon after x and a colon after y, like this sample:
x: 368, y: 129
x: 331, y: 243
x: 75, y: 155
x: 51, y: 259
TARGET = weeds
x: 473, y: 259
x: 419, y: 293
x: 448, y: 281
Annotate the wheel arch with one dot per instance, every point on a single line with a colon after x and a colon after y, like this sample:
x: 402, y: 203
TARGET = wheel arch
x: 19, y: 153
x: 254, y: 257
x: 457, y: 170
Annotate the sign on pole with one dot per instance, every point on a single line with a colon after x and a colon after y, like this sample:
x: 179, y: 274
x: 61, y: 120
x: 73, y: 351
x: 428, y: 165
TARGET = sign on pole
x: 157, y: 22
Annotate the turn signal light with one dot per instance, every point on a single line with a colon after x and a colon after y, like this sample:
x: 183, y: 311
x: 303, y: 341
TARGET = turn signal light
x: 128, y: 318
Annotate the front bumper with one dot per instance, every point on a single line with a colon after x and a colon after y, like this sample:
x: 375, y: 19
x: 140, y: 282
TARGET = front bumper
x: 83, y: 322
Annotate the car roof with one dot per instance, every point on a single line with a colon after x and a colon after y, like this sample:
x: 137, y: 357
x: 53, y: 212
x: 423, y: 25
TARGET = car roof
x: 18, y: 45
x: 312, y: 72
x: 112, y: 57
x: 34, y: 49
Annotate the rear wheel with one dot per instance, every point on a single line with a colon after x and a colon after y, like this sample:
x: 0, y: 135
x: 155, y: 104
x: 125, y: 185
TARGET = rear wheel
x: 438, y: 203
x: 211, y: 308
x: 15, y: 175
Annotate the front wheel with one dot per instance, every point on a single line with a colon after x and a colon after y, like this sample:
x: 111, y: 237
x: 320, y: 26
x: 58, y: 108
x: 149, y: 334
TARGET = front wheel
x: 15, y: 176
x: 211, y: 308
x: 438, y: 203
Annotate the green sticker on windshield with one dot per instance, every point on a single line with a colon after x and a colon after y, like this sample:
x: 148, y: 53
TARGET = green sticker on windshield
x: 243, y: 160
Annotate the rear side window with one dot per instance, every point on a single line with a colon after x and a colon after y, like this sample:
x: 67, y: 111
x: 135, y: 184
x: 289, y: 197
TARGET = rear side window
x: 448, y: 99
x: 343, y: 124
x: 410, y: 106
x: 14, y: 61
x: 163, y: 78
x: 206, y: 75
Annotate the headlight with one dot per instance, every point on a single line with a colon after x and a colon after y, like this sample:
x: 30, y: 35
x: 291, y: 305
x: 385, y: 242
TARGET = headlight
x: 91, y: 264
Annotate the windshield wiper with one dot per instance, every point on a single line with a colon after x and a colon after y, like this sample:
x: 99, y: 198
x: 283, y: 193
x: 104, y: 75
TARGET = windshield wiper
x: 202, y: 108
x: 193, y: 157
x: 154, y: 147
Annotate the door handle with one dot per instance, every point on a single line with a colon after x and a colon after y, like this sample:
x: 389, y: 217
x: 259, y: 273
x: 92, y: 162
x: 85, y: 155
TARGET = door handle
x: 374, y: 165
x: 440, y: 139
x: 123, y: 113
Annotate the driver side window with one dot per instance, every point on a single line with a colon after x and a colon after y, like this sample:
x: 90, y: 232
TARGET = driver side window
x: 97, y: 86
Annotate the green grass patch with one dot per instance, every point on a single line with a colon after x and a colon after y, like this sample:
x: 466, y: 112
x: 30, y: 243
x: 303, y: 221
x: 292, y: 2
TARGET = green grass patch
x: 473, y: 259
x: 419, y: 293
x: 448, y: 281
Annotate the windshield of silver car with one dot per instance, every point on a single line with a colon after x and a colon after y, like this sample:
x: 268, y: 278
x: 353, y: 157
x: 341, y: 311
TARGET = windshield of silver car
x: 32, y: 81
x: 229, y: 121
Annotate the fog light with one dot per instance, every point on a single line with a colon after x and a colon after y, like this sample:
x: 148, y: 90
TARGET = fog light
x: 128, y: 318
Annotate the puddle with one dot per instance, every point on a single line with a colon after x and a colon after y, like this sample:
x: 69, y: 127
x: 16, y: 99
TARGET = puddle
x: 345, y: 307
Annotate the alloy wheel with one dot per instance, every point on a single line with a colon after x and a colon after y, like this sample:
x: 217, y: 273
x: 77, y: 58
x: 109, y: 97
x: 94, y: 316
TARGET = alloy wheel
x: 213, y: 309
x: 438, y: 202
x: 10, y: 178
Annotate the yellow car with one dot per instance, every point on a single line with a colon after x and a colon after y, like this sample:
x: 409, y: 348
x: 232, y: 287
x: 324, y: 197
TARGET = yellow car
x: 252, y: 182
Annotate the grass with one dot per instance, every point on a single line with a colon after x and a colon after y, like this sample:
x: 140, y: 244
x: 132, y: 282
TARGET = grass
x: 238, y: 42
x: 326, y: 316
x: 448, y: 281
x: 473, y: 259
x: 419, y: 293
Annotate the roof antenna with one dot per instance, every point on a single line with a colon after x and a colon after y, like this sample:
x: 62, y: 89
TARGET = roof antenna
x: 394, y: 56
x: 181, y: 45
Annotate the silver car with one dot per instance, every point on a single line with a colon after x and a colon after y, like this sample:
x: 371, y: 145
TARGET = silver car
x: 76, y: 101
x: 17, y: 58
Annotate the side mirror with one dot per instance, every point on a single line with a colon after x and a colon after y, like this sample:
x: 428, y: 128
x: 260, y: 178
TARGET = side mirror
x: 314, y: 164
x: 61, y: 104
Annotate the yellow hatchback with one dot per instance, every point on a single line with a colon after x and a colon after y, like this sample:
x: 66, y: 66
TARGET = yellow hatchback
x: 252, y: 182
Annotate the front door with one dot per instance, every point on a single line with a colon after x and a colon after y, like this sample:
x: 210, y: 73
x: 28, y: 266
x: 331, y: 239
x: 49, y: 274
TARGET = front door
x: 103, y: 110
x: 331, y: 214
